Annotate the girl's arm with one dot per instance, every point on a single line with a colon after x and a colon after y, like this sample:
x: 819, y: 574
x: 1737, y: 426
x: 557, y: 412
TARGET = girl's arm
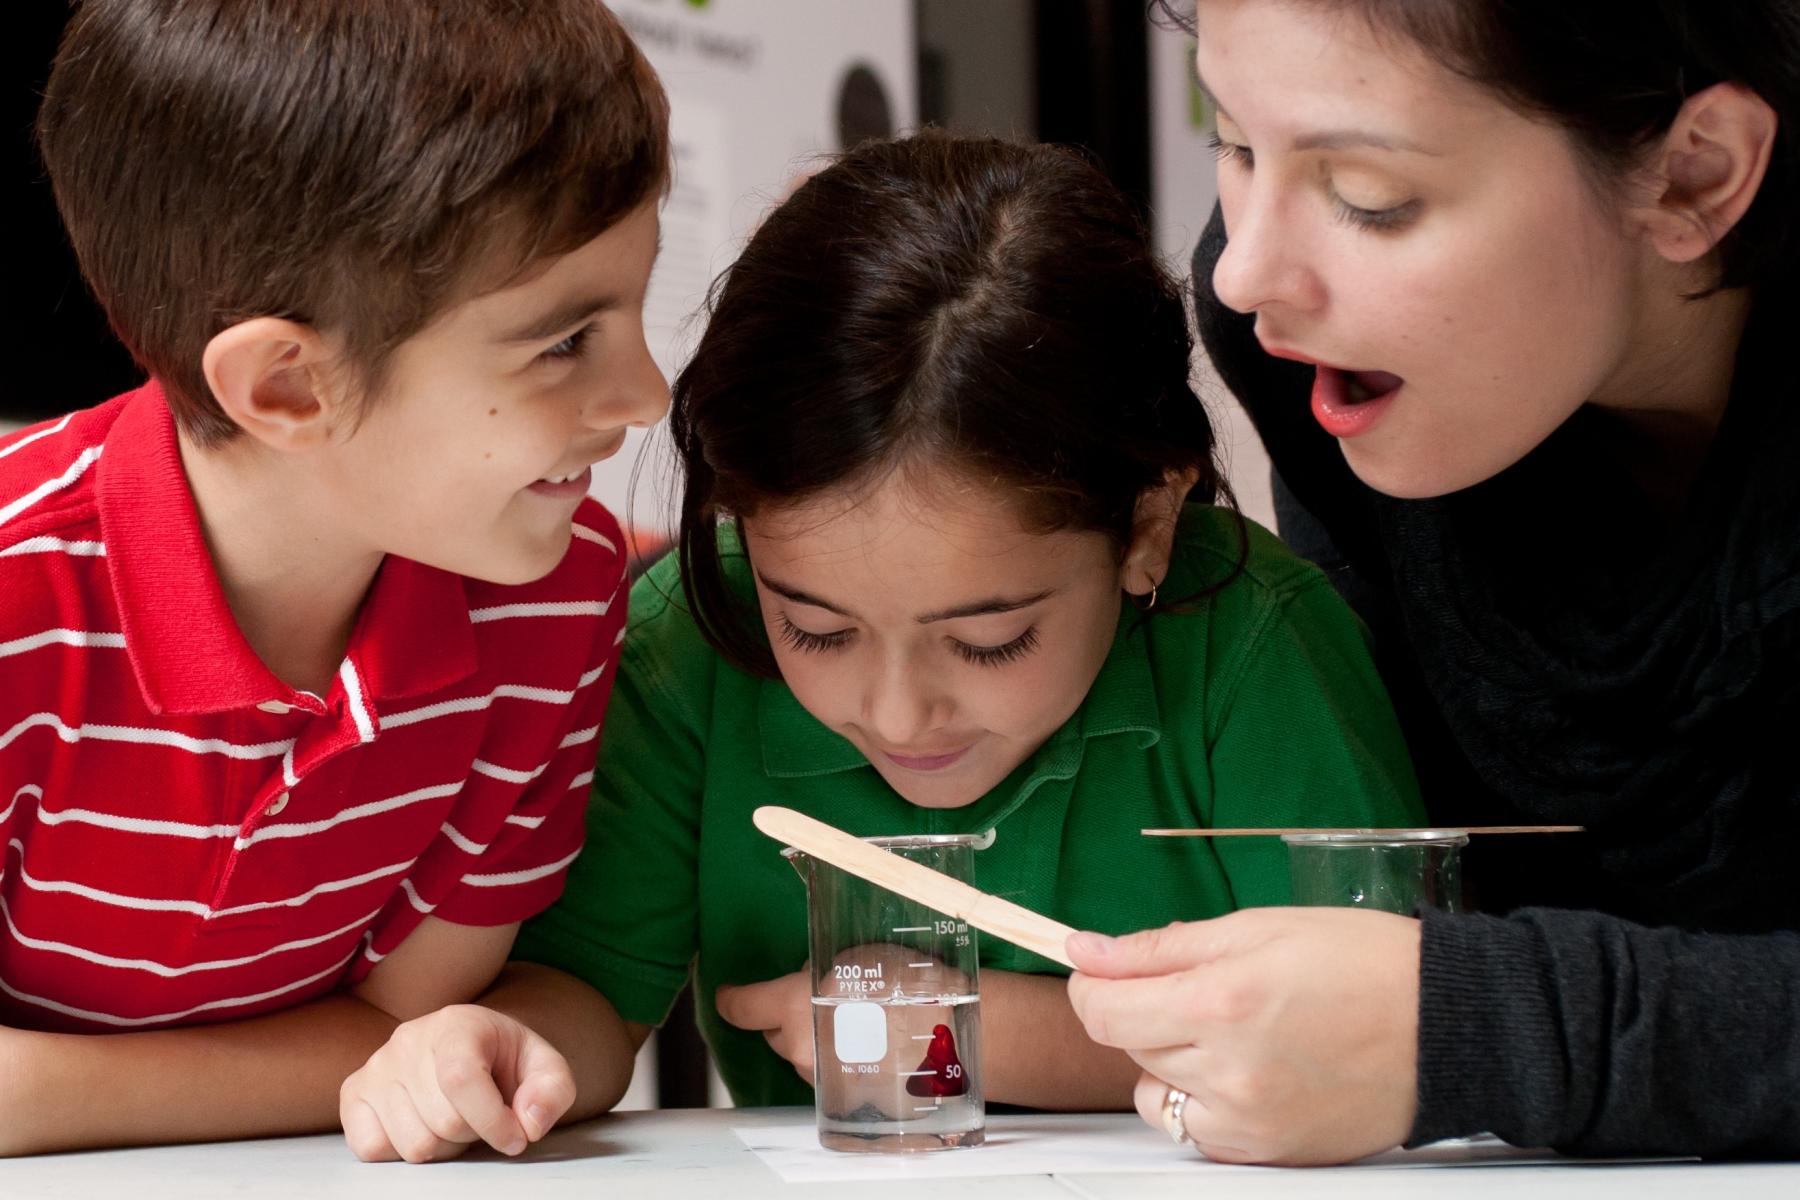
x: 1037, y: 1054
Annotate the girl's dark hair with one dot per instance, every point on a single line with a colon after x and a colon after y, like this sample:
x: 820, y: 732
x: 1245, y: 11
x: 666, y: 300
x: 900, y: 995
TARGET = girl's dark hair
x: 992, y: 308
x: 1614, y: 73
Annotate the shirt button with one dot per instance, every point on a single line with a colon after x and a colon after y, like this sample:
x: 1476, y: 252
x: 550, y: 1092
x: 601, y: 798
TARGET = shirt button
x: 275, y: 706
x: 275, y: 808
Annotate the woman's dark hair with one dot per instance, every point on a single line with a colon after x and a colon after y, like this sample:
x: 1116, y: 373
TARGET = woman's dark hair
x: 1614, y: 73
x: 986, y: 307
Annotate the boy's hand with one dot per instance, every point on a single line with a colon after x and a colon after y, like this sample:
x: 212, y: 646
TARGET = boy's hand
x: 1293, y: 1030
x: 781, y: 1010
x: 449, y: 1079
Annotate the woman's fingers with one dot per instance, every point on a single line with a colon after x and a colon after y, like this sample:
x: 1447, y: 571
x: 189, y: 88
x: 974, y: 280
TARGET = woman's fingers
x: 1166, y: 1010
x: 1162, y: 951
x: 1204, y: 1130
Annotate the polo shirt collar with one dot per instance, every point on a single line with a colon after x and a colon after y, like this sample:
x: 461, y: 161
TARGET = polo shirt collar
x: 412, y: 636
x: 1122, y: 700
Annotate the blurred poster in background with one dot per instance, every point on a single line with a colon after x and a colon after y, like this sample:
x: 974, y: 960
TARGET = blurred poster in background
x: 1184, y: 186
x: 758, y: 90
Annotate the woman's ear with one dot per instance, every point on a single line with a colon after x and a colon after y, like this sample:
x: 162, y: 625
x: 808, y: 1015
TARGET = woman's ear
x: 1707, y: 169
x: 275, y: 379
x: 1153, y: 524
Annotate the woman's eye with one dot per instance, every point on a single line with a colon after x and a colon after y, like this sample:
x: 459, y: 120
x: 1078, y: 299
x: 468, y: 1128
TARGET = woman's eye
x: 571, y: 346
x: 1226, y: 151
x: 995, y: 656
x: 812, y: 643
x: 1380, y: 220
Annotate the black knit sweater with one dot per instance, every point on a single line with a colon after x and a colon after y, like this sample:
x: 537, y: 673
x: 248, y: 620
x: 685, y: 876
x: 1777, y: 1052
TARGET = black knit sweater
x: 1562, y: 651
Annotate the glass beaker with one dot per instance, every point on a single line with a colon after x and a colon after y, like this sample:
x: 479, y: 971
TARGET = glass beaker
x: 1393, y: 872
x: 896, y: 1007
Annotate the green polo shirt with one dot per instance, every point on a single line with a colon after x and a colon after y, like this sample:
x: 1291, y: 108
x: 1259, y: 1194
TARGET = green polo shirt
x: 1259, y: 707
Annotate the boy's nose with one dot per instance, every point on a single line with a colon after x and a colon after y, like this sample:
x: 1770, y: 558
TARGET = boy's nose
x: 636, y: 394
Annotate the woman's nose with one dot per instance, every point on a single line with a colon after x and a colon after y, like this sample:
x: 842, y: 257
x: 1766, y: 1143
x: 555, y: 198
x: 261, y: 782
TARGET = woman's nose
x: 1264, y: 263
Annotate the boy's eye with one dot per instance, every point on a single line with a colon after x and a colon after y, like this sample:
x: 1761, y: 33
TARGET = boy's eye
x: 801, y: 639
x: 571, y: 346
x: 996, y: 656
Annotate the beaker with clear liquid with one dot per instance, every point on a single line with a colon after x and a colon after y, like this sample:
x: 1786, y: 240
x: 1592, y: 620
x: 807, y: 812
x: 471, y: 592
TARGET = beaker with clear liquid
x: 896, y: 1006
x: 1392, y: 871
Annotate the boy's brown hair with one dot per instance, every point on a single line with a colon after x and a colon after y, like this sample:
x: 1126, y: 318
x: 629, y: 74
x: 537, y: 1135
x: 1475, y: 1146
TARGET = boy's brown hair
x: 356, y: 165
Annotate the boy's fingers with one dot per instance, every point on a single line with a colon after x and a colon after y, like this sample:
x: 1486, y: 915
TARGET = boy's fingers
x: 466, y: 1104
x: 546, y: 1089
x: 1150, y: 952
x: 364, y: 1133
x: 407, y: 1131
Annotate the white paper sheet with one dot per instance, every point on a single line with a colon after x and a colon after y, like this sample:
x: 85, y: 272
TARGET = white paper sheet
x: 1041, y: 1146
x: 1065, y: 1144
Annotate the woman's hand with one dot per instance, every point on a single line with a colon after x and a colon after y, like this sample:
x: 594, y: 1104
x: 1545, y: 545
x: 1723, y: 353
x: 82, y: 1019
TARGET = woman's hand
x: 781, y: 1010
x: 461, y: 1075
x: 1293, y: 1030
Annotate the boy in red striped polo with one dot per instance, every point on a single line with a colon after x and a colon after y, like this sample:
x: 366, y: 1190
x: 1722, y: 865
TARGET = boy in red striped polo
x: 304, y: 645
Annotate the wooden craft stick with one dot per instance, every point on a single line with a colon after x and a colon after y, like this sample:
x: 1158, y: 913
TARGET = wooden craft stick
x: 1450, y: 829
x: 952, y: 897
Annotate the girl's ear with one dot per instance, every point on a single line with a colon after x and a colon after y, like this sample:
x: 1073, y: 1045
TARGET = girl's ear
x: 1153, y: 523
x: 1704, y: 174
x: 274, y: 378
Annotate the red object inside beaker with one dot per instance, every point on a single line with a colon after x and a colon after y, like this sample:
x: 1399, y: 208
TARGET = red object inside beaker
x: 946, y: 1076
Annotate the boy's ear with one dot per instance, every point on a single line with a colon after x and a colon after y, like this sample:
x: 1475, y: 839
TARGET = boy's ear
x: 274, y: 379
x: 1707, y: 169
x: 1153, y: 532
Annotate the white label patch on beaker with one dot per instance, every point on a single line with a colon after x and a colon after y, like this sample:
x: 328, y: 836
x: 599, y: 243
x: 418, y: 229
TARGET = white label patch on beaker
x: 859, y: 1032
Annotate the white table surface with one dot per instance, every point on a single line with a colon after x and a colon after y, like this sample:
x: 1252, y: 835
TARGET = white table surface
x: 679, y: 1153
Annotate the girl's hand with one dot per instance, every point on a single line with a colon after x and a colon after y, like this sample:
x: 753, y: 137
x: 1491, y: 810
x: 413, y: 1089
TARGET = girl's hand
x: 457, y: 1076
x: 781, y: 1010
x: 1293, y: 1030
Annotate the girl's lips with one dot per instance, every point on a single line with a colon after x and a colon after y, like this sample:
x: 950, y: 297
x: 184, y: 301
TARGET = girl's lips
x: 929, y: 762
x: 1342, y: 417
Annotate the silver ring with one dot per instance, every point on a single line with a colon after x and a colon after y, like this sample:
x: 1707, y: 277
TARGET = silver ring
x: 1174, y: 1116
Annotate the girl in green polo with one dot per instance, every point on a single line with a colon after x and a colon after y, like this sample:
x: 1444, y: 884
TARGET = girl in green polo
x: 955, y: 556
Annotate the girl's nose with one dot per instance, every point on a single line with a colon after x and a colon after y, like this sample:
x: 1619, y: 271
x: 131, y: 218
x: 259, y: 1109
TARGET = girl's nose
x: 900, y: 708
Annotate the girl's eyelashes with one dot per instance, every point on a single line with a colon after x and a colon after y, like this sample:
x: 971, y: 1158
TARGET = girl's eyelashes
x: 1226, y: 151
x: 996, y: 656
x: 982, y: 656
x: 1379, y: 220
x: 571, y: 346
x: 801, y: 639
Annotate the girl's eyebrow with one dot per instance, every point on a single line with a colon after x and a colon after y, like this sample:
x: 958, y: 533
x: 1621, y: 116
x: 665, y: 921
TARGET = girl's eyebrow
x: 983, y: 608
x: 976, y: 608
x: 800, y: 597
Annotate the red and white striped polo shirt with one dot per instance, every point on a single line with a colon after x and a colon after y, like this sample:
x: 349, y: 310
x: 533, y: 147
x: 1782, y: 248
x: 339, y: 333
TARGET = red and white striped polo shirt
x: 186, y: 838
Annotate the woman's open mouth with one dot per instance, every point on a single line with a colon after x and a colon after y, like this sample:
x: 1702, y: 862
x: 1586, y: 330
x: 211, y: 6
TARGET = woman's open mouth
x: 1348, y: 403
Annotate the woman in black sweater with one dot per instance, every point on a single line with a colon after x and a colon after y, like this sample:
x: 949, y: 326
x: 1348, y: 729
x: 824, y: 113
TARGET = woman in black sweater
x: 1534, y: 265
